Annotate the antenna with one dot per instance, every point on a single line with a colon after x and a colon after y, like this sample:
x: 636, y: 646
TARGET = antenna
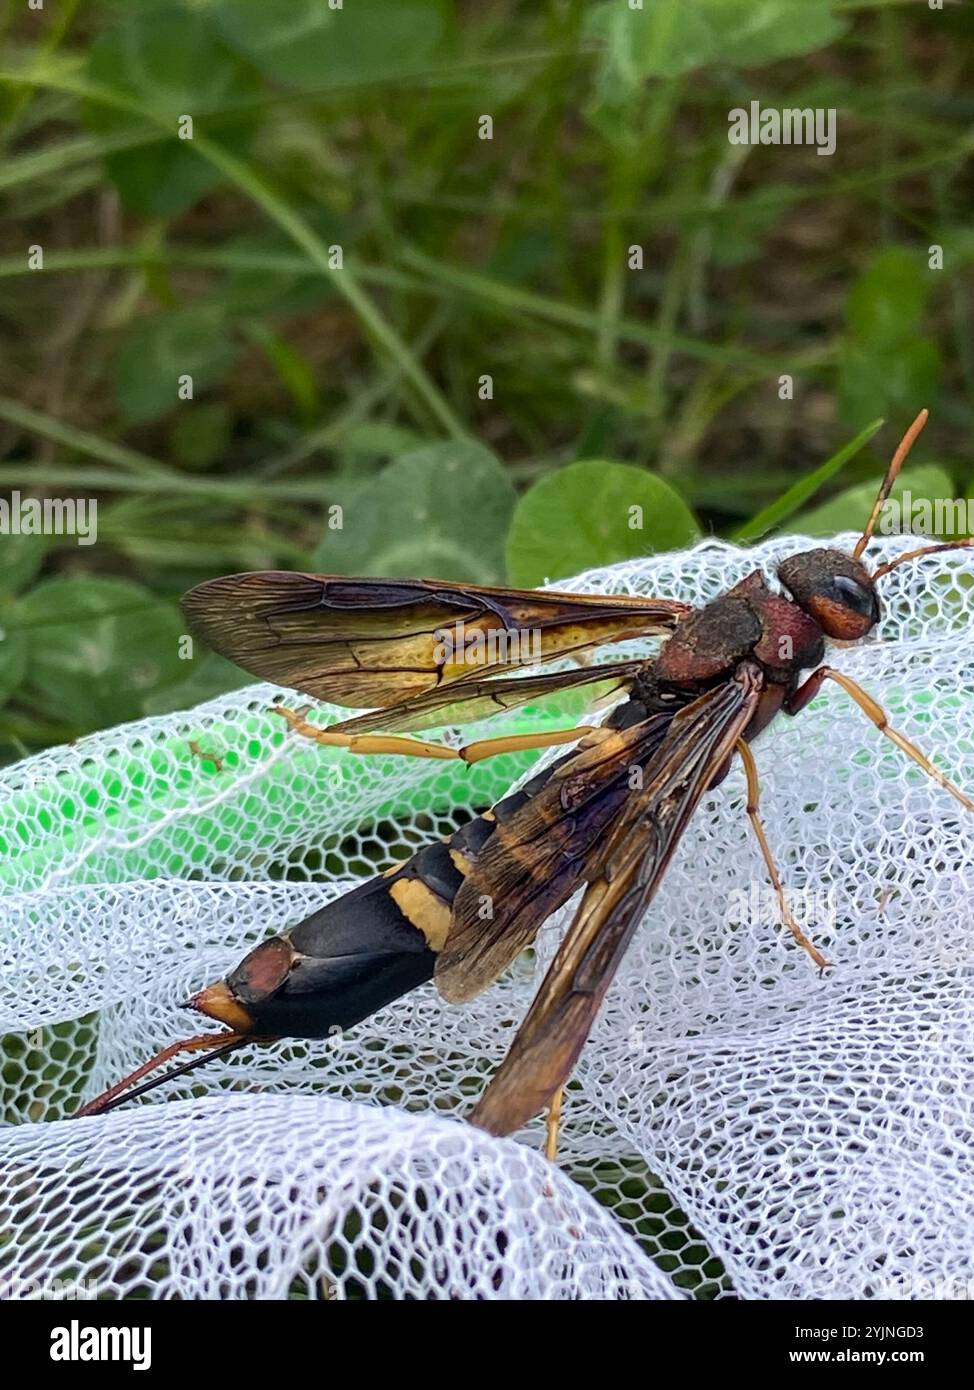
x: 924, y: 550
x: 905, y: 445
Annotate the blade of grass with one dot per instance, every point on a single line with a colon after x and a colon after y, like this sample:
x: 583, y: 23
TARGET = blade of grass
x: 277, y: 210
x: 177, y: 484
x: 47, y: 45
x: 133, y: 472
x: 372, y: 321
x: 82, y: 440
x: 292, y: 369
x: 220, y: 258
x: 508, y: 298
x: 431, y: 277
x: 67, y: 154
x: 358, y: 410
x: 788, y: 503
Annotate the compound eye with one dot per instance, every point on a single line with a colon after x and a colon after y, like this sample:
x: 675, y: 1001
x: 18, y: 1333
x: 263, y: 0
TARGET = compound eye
x: 856, y: 596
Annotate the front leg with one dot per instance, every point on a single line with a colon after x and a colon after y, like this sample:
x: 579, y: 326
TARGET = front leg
x: 875, y: 712
x: 806, y: 692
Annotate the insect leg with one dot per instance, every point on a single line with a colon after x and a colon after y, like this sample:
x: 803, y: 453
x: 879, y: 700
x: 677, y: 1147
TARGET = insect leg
x: 517, y: 743
x: 421, y: 748
x: 364, y: 743
x: 874, y: 711
x: 753, y: 797
x: 553, y: 1124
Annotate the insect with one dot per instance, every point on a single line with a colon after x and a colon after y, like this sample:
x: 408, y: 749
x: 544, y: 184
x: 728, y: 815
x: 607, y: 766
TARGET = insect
x: 608, y: 814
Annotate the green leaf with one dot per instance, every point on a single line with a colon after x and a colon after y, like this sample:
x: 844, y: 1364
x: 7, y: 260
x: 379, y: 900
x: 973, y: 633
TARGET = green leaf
x: 97, y: 648
x: 21, y: 558
x: 594, y: 513
x: 212, y: 675
x: 789, y: 502
x: 305, y: 43
x: 887, y: 302
x: 13, y: 658
x: 898, y: 381
x: 667, y: 38
x: 850, y: 510
x: 158, y: 350
x: 441, y: 511
x: 885, y: 364
x: 166, y: 56
x: 377, y: 439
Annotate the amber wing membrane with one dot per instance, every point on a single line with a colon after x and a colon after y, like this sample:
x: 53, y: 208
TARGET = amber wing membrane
x: 638, y: 849
x: 370, y: 643
x: 537, y: 857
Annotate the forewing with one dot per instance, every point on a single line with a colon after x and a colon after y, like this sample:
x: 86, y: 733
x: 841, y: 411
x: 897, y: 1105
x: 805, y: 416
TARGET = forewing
x: 379, y: 642
x: 560, y: 1018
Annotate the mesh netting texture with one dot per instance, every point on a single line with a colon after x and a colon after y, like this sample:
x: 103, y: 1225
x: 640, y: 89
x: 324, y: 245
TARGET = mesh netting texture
x: 737, y: 1126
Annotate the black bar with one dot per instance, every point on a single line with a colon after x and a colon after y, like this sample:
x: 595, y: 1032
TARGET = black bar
x: 192, y: 1342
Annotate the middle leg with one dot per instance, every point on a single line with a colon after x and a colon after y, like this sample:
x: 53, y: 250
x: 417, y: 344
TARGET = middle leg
x: 753, y: 799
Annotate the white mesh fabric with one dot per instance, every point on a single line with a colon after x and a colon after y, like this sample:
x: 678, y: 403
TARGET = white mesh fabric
x: 332, y: 1200
x: 746, y: 1127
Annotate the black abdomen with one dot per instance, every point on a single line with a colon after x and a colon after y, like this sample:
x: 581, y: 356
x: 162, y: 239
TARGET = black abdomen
x: 347, y: 960
x: 371, y: 945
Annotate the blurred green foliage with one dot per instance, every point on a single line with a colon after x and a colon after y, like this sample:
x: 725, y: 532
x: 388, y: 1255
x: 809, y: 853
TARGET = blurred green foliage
x: 442, y: 336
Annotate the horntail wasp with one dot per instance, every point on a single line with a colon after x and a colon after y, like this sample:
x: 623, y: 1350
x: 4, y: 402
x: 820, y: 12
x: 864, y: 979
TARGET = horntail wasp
x: 724, y: 672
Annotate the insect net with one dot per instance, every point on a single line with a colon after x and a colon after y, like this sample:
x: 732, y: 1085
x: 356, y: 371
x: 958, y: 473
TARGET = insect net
x: 737, y: 1126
